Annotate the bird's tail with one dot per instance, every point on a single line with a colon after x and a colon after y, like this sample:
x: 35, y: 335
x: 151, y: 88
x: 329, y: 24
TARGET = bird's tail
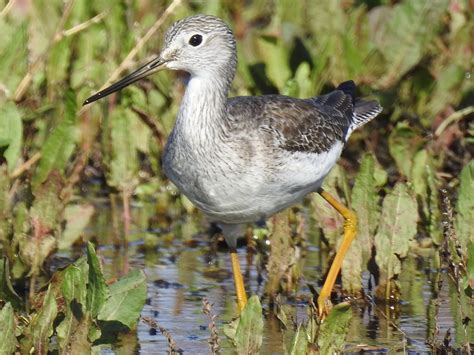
x: 363, y: 111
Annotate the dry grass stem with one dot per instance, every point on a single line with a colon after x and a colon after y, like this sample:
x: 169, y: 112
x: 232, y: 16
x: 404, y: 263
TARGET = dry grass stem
x: 214, y: 341
x: 173, y: 348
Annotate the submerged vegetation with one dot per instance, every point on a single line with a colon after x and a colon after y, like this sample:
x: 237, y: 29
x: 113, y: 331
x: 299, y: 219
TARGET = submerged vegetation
x: 409, y: 174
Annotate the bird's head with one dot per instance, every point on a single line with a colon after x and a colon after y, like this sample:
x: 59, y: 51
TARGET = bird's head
x: 201, y: 45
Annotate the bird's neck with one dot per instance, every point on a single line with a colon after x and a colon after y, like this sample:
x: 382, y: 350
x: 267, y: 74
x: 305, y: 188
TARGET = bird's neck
x: 202, y: 113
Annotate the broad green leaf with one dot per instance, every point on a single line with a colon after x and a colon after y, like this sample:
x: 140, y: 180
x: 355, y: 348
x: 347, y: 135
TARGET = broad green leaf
x: 45, y: 214
x: 418, y: 174
x: 78, y: 342
x: 299, y: 343
x: 426, y: 186
x: 74, y: 291
x: 303, y: 79
x: 300, y: 85
x: 403, y: 143
x: 447, y: 87
x: 42, y: 323
x: 365, y: 202
x: 48, y: 206
x: 465, y: 206
x: 74, y: 284
x: 57, y: 66
x: 7, y: 330
x: 275, y: 55
x: 11, y: 134
x: 127, y: 298
x: 77, y: 218
x: 97, y: 290
x: 246, y: 331
x: 462, y: 311
x: 124, y: 159
x: 43, y: 21
x: 404, y: 32
x: 397, y: 228
x: 60, y: 144
x: 13, y: 54
x: 334, y: 329
x: 328, y: 24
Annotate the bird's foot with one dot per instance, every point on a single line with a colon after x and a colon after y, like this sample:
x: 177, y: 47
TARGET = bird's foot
x: 324, y: 307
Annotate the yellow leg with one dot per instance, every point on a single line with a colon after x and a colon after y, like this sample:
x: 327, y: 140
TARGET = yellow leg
x: 239, y: 281
x: 350, y: 230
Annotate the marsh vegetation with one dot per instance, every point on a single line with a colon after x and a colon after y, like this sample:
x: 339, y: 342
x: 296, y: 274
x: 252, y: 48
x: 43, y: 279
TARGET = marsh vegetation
x: 72, y: 178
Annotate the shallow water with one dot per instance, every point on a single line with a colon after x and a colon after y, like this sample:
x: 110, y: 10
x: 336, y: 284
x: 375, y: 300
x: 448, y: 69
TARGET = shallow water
x: 180, y: 274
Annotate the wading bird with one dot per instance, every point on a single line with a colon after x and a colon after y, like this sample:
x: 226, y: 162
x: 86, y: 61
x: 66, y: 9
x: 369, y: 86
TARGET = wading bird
x: 242, y: 159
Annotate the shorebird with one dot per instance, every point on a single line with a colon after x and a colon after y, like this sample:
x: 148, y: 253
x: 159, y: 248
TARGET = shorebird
x: 242, y: 159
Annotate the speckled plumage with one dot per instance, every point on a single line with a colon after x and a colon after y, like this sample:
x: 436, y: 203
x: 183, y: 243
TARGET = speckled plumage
x: 243, y: 159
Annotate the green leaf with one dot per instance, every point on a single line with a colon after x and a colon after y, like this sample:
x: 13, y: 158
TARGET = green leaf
x: 48, y: 206
x: 404, y: 142
x: 74, y: 283
x: 418, y: 174
x: 60, y: 144
x: 127, y: 298
x: 246, y: 331
x: 45, y: 214
x: 42, y: 323
x: 275, y: 55
x: 97, y: 290
x: 447, y: 87
x: 299, y: 343
x: 397, y: 228
x: 403, y: 34
x: 124, y: 159
x: 8, y: 341
x: 434, y: 208
x: 74, y: 291
x: 365, y: 201
x: 334, y: 329
x: 426, y: 186
x: 11, y: 133
x: 77, y: 218
x: 300, y: 85
x: 465, y: 206
x: 80, y: 341
x: 248, y: 337
x: 57, y: 66
x: 13, y: 54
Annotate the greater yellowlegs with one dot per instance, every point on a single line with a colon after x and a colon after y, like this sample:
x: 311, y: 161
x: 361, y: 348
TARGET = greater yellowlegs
x: 242, y: 159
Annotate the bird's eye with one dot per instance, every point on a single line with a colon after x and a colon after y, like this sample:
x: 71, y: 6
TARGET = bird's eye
x: 195, y: 40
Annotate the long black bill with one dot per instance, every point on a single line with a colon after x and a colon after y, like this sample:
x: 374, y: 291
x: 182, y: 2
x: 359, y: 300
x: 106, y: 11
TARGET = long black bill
x: 145, y: 70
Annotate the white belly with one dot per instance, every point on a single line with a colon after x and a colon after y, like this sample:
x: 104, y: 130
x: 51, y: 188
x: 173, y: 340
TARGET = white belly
x: 235, y: 191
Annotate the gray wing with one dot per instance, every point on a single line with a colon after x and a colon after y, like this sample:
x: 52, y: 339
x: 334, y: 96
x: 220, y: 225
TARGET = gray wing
x: 311, y: 125
x: 292, y: 124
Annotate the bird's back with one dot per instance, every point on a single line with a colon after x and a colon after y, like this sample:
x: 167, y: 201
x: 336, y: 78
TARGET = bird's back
x: 310, y: 125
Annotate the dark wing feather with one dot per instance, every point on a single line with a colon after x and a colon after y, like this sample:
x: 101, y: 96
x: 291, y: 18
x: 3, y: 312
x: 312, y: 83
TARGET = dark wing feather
x: 293, y: 124
x: 311, y: 125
